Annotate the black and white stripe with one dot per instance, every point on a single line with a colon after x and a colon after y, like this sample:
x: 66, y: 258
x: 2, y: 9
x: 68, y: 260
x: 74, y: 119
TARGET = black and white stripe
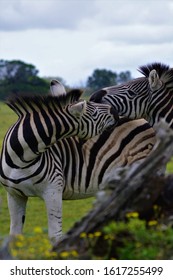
x: 149, y: 97
x: 69, y: 168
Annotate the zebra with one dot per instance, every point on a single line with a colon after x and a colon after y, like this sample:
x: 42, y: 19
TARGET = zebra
x: 28, y: 166
x: 149, y: 97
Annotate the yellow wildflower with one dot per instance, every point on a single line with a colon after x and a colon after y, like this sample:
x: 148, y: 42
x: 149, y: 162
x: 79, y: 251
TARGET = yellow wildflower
x: 64, y: 254
x: 74, y: 253
x: 83, y: 235
x: 132, y: 215
x: 90, y: 235
x: 49, y: 254
x: 109, y: 236
x: 38, y: 230
x: 97, y: 233
x: 19, y: 244
x: 152, y: 223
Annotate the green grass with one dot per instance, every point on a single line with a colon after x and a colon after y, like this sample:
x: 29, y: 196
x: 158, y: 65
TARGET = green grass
x: 7, y: 118
x: 36, y: 215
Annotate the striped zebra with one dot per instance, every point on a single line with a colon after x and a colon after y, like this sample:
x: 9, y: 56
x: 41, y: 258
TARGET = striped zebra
x: 149, y: 97
x: 70, y: 168
x: 29, y: 166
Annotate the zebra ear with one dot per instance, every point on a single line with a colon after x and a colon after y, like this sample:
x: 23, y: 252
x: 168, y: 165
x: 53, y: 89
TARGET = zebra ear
x: 56, y: 88
x: 154, y: 81
x: 78, y: 109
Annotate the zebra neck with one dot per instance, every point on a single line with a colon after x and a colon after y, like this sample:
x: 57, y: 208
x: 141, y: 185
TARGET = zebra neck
x: 32, y: 135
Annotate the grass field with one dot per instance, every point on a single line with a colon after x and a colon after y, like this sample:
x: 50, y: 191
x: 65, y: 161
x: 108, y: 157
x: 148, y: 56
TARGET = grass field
x: 73, y: 210
x: 36, y: 212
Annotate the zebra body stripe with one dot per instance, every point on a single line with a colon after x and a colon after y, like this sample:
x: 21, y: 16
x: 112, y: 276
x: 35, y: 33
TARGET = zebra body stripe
x: 82, y: 165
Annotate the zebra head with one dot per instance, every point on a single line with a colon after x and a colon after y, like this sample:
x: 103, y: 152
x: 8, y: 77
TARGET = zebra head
x: 92, y: 118
x: 149, y: 97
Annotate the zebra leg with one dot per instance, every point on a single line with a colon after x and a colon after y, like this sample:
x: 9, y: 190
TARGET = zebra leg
x: 17, y: 208
x: 53, y: 201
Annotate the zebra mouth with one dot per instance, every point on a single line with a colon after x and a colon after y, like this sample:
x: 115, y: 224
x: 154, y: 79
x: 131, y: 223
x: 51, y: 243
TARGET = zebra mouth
x: 115, y: 114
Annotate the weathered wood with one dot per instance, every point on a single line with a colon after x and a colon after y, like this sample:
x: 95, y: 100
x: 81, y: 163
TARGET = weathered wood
x: 133, y: 188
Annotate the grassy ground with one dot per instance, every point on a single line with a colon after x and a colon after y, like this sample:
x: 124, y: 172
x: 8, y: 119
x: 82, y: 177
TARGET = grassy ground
x: 36, y: 213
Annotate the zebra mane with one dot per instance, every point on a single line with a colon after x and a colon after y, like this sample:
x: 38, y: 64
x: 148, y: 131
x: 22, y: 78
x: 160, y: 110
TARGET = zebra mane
x: 164, y: 71
x: 26, y: 102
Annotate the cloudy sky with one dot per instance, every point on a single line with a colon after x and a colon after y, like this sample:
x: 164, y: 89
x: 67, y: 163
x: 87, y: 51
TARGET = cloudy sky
x: 71, y: 38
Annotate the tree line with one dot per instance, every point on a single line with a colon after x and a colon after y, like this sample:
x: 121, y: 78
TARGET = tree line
x: 18, y: 77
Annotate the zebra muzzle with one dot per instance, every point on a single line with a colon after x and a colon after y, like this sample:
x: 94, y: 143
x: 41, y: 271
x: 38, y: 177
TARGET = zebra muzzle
x: 115, y: 114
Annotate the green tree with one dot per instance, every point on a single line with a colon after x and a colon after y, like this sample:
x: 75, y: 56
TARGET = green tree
x: 101, y: 78
x: 124, y: 77
x: 17, y: 77
x: 105, y: 78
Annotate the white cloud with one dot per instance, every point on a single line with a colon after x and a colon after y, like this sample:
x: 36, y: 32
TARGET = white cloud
x: 34, y: 14
x: 133, y: 12
x: 138, y: 34
x: 69, y: 14
x: 71, y: 38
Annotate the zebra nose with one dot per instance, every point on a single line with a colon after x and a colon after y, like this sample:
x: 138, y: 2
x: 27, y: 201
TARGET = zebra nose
x: 97, y: 96
x: 114, y: 113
